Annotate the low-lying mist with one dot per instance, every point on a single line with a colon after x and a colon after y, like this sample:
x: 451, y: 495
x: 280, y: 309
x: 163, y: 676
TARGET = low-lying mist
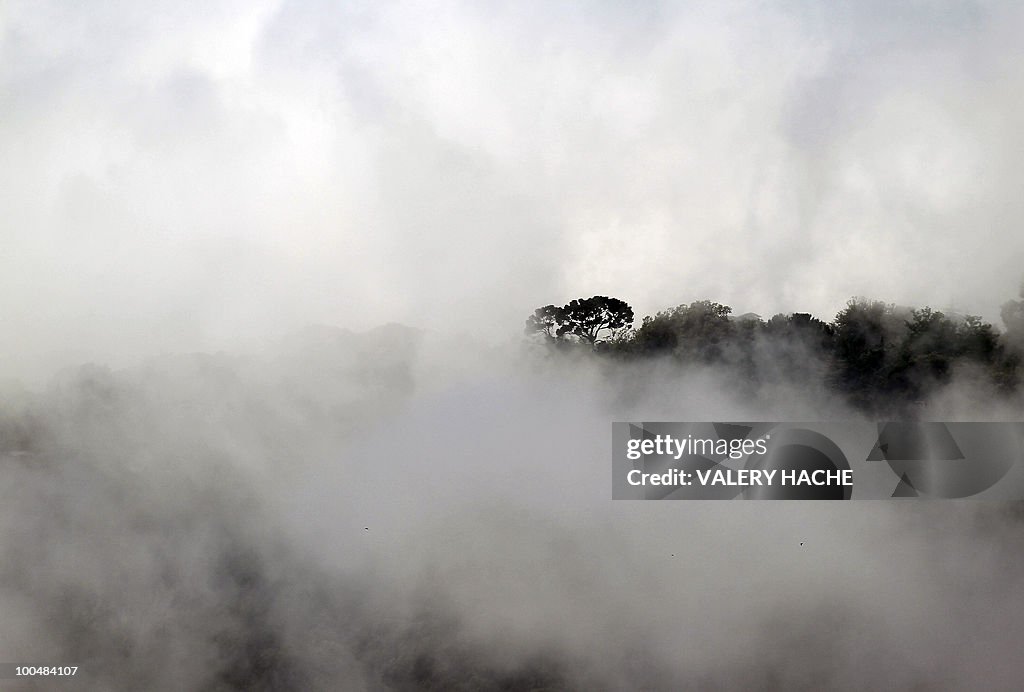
x: 393, y: 511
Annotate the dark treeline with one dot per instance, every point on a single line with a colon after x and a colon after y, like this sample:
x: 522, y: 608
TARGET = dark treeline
x: 884, y: 359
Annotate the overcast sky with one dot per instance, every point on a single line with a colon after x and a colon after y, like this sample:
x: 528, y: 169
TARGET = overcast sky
x: 195, y: 176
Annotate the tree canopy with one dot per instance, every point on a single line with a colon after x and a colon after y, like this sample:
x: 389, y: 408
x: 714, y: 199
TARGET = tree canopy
x: 883, y: 358
x: 583, y: 318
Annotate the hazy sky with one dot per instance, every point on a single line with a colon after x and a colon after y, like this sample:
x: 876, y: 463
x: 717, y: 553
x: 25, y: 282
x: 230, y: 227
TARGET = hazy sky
x: 183, y: 176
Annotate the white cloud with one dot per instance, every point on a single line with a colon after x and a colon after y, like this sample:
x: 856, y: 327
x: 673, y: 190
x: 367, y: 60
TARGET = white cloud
x: 231, y: 170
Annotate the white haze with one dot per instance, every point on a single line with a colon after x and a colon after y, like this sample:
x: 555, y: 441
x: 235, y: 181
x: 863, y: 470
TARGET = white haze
x: 334, y: 514
x: 201, y: 491
x: 180, y: 176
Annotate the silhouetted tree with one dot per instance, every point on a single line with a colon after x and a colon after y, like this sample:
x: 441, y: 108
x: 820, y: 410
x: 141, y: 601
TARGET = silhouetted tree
x: 586, y: 318
x: 801, y: 327
x: 927, y: 353
x: 699, y: 331
x: 868, y: 335
x: 935, y: 344
x: 1010, y: 349
x: 657, y: 335
x: 544, y: 321
x: 1013, y: 317
x: 978, y: 341
x: 795, y: 348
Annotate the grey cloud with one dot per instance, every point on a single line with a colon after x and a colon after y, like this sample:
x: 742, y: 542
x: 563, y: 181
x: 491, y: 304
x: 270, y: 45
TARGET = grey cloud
x: 481, y: 159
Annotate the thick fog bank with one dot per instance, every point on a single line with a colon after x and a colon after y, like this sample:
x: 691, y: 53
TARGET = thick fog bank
x: 370, y: 512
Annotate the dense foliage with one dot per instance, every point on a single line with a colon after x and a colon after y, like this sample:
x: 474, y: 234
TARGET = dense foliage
x: 885, y: 359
